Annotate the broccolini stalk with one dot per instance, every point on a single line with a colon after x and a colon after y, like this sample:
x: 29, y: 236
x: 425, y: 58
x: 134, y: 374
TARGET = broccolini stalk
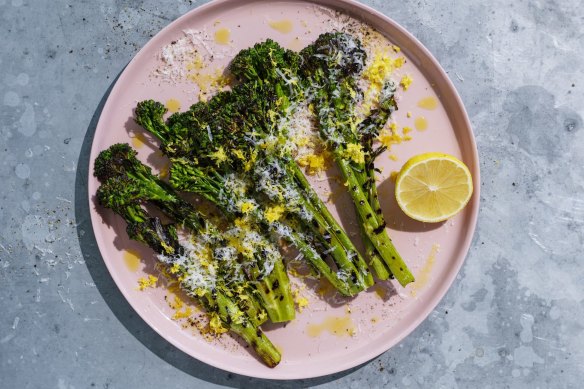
x: 330, y: 69
x: 305, y: 208
x: 241, y: 127
x: 197, y: 277
x: 258, y: 261
x: 268, y: 65
x: 225, y: 192
x: 123, y: 190
x: 367, y: 131
x: 291, y: 187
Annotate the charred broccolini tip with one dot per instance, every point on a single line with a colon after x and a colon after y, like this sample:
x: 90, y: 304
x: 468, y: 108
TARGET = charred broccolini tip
x: 335, y: 54
x: 110, y: 162
x: 113, y: 194
x: 150, y: 115
x: 264, y: 62
x: 117, y: 195
x: 136, y: 181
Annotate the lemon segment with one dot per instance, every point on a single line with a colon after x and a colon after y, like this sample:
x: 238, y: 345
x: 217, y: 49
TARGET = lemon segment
x: 433, y: 187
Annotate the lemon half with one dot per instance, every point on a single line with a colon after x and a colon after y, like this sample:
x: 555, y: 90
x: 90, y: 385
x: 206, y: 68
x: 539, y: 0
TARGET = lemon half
x: 433, y: 187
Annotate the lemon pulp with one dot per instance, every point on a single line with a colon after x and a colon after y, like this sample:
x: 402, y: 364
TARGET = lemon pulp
x: 433, y: 187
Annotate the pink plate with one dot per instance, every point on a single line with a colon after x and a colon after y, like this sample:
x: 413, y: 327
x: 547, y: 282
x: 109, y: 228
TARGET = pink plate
x: 331, y: 334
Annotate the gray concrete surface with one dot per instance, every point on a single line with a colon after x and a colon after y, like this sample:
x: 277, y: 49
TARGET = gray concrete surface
x: 514, y: 317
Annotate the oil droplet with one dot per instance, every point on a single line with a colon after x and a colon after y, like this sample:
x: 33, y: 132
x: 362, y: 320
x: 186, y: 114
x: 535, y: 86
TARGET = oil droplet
x: 132, y: 260
x: 164, y: 171
x: 381, y: 292
x: 173, y: 105
x: 295, y: 44
x: 138, y: 140
x: 393, y: 175
x: 222, y: 36
x: 336, y: 325
x: 284, y: 26
x: 428, y: 103
x: 424, y: 276
x: 325, y: 288
x: 421, y: 123
x: 374, y: 319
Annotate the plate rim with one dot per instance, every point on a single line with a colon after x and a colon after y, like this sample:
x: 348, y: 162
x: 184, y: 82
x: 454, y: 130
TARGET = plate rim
x: 357, y: 10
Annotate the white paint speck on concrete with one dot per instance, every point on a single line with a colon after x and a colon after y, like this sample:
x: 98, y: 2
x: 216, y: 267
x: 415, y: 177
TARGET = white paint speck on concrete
x: 22, y: 79
x: 34, y: 229
x: 526, y: 334
x: 28, y: 124
x: 526, y: 357
x: 11, y: 99
x: 22, y: 171
x: 128, y: 18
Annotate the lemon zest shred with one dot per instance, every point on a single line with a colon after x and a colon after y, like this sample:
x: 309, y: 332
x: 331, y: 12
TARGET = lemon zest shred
x: 274, y: 213
x: 216, y: 325
x: 250, y: 162
x: 247, y: 206
x: 390, y: 136
x: 147, y: 282
x: 355, y: 153
x: 219, y: 156
x: 300, y: 301
x: 406, y: 81
x: 399, y: 62
x: 239, y: 154
x: 241, y: 223
x: 175, y: 268
x: 188, y: 311
x: 314, y: 163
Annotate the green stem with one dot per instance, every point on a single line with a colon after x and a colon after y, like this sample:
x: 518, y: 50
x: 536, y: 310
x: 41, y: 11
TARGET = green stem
x: 335, y: 228
x: 250, y: 303
x: 374, y: 230
x: 186, y: 177
x: 337, y: 250
x: 229, y: 313
x: 375, y: 260
x: 276, y: 295
x: 319, y: 264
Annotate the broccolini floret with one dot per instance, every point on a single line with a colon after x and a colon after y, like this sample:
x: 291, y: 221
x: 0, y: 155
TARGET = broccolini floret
x: 135, y: 183
x: 246, y: 131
